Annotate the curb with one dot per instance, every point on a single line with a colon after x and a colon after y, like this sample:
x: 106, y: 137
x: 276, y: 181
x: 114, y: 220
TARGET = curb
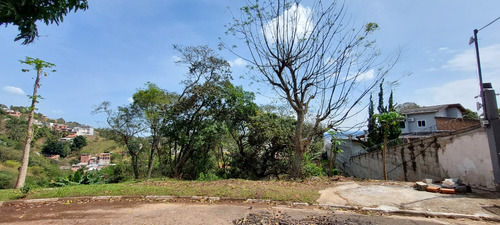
x: 387, y: 211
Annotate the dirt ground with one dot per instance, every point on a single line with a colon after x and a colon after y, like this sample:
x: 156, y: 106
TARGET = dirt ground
x: 141, y: 211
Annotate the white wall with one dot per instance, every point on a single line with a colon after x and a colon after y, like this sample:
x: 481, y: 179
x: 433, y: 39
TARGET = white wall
x: 468, y: 158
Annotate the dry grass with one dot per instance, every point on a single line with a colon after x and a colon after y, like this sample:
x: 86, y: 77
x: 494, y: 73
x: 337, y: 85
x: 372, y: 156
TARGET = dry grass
x: 287, y: 191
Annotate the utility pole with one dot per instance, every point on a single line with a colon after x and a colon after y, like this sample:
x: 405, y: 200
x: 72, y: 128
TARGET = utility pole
x: 490, y: 120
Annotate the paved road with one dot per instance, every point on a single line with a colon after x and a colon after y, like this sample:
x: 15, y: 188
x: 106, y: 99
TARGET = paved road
x: 144, y: 212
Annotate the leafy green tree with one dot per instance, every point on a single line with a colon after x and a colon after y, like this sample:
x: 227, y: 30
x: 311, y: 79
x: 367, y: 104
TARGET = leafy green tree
x: 126, y: 123
x: 56, y: 147
x: 376, y: 131
x: 264, y: 146
x: 196, y: 120
x: 386, y: 120
x: 39, y: 65
x: 154, y: 103
x: 60, y: 121
x: 334, y: 151
x: 315, y: 62
x: 78, y: 143
x: 373, y: 134
x: 407, y: 105
x: 16, y: 129
x: 469, y: 114
x: 20, y: 109
x: 26, y: 13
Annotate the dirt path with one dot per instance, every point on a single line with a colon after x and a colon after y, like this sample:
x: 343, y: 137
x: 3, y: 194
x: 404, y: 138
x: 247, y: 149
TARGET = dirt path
x: 127, y: 211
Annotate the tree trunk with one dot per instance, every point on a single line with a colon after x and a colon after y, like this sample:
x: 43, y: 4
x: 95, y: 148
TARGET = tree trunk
x: 154, y: 151
x: 23, y: 170
x: 384, y: 150
x: 135, y: 166
x: 296, y: 162
x: 334, y: 160
x: 151, y: 161
x: 330, y: 159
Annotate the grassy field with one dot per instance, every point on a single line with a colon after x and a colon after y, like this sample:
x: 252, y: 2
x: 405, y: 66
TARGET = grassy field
x: 96, y: 145
x: 241, y: 189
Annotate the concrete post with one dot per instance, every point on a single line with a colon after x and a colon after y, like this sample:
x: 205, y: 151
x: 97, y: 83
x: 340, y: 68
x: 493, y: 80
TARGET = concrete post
x: 492, y: 126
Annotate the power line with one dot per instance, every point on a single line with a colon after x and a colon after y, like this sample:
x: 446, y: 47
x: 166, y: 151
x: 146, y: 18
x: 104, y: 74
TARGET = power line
x: 489, y: 23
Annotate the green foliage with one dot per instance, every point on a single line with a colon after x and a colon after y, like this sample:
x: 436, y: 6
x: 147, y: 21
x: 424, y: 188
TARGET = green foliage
x: 371, y: 27
x: 469, y: 114
x: 9, y: 153
x: 12, y: 164
x: 25, y: 190
x: 25, y: 14
x: 376, y: 131
x: 310, y: 168
x: 264, y: 146
x: 56, y: 147
x: 7, y: 179
x: 78, y: 143
x: 16, y: 129
x: 116, y: 173
x: 41, y: 169
x: 406, y: 106
x: 208, y: 177
x: 79, y: 177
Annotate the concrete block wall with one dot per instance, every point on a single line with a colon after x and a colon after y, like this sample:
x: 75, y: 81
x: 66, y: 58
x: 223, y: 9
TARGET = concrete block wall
x: 462, y: 154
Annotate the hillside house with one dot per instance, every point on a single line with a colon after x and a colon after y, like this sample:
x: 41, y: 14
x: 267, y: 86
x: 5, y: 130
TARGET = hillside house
x: 83, y: 131
x: 434, y: 119
x: 13, y: 113
x: 93, y: 163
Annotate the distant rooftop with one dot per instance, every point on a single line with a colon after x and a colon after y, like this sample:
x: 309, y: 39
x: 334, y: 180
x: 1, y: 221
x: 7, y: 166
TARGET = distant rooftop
x: 432, y: 109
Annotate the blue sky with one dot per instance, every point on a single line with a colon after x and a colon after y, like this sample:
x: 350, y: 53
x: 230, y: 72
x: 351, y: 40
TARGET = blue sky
x: 113, y: 48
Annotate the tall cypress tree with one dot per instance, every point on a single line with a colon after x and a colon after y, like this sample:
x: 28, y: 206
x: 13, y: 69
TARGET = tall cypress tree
x: 381, y: 108
x: 394, y: 130
x: 391, y: 107
x: 375, y: 130
x: 372, y: 126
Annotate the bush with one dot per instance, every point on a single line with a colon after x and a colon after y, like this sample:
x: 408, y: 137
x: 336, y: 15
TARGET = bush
x: 12, y: 164
x: 116, y: 173
x: 208, y: 177
x: 7, y: 179
x: 309, y: 168
x: 7, y: 153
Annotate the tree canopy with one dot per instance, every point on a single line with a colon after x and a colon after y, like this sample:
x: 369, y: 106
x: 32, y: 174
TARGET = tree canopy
x: 25, y: 13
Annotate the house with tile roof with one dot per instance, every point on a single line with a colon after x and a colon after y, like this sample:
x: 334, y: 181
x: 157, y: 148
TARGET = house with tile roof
x: 434, y: 119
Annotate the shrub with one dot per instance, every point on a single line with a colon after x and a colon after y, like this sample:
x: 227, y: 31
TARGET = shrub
x: 7, y: 179
x: 208, y: 177
x: 12, y: 164
x: 309, y: 168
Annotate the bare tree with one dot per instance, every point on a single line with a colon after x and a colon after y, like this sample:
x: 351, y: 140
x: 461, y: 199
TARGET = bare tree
x: 313, y: 57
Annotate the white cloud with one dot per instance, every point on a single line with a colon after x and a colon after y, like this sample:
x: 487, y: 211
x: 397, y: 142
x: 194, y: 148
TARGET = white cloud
x: 458, y: 91
x: 368, y: 75
x: 14, y: 90
x: 238, y: 62
x: 298, y: 24
x: 466, y: 61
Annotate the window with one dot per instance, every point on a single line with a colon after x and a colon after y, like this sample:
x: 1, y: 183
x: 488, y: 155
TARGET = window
x: 402, y: 124
x: 421, y: 123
